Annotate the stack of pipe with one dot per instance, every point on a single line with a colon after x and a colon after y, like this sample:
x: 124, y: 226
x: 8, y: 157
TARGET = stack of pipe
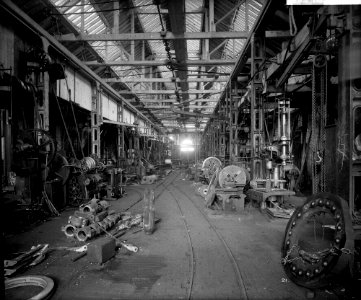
x: 90, y: 220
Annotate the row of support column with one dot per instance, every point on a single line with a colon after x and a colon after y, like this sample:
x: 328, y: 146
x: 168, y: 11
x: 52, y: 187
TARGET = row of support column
x: 41, y: 113
x: 222, y: 138
x: 256, y: 111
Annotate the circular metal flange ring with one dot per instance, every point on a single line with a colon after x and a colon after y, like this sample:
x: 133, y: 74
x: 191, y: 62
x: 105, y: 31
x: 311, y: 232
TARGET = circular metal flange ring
x: 232, y: 176
x: 316, y: 236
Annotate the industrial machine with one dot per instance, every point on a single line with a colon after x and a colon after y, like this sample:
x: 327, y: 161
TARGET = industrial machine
x: 226, y: 188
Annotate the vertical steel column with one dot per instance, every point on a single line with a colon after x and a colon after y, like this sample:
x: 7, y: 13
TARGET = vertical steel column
x: 121, y: 153
x: 257, y: 57
x: 212, y: 26
x: 116, y: 17
x: 233, y: 130
x: 230, y: 115
x: 96, y: 119
x: 5, y: 144
x: 222, y: 133
x: 214, y: 129
x: 42, y: 110
x: 132, y: 26
x: 82, y: 17
x: 120, y: 134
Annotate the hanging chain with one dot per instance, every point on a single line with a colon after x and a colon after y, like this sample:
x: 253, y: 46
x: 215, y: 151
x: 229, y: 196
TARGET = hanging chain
x: 318, y: 138
x: 314, y: 134
x: 323, y: 126
x: 320, y: 147
x: 285, y: 260
x: 333, y: 251
x: 323, y: 117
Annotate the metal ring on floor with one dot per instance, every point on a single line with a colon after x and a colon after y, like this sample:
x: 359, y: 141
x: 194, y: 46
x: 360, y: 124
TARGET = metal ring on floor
x: 34, y: 280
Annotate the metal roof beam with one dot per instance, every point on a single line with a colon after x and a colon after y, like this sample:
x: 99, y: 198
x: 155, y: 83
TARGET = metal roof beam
x: 167, y: 92
x: 36, y: 28
x: 219, y: 46
x: 302, y: 38
x: 152, y: 36
x: 278, y: 34
x: 178, y: 26
x: 107, y: 24
x: 300, y: 52
x: 229, y: 13
x: 169, y: 107
x: 142, y: 11
x: 154, y: 63
x: 140, y: 80
x: 155, y: 101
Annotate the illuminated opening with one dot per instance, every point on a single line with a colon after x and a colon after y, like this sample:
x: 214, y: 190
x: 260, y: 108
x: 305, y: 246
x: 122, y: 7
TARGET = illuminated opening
x: 187, y: 146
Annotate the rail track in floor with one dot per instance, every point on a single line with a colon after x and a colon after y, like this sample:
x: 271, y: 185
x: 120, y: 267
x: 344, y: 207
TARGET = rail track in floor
x: 173, y: 189
x: 158, y: 190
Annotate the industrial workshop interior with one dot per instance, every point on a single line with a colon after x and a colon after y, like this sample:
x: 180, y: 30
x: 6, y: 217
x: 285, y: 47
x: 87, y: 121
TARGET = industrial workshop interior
x: 180, y: 149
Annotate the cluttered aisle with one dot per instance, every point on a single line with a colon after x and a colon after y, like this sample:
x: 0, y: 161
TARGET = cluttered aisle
x: 193, y: 253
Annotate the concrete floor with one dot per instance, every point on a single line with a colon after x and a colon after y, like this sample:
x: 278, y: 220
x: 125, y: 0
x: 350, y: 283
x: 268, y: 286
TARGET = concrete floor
x: 193, y: 254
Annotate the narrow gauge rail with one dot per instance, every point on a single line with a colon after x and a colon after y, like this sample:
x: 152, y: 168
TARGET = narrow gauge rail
x: 170, y: 187
x: 158, y: 190
x: 187, y: 229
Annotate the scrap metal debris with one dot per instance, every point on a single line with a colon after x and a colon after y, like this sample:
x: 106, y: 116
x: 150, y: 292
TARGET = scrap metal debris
x: 94, y: 218
x: 34, y: 256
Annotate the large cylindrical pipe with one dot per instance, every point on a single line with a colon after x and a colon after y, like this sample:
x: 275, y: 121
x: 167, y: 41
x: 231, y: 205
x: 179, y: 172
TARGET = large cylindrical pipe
x: 69, y: 230
x: 85, y: 233
x: 91, y: 208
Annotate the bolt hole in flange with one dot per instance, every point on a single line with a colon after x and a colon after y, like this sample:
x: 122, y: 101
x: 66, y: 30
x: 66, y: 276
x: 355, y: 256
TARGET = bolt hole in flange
x: 316, y: 236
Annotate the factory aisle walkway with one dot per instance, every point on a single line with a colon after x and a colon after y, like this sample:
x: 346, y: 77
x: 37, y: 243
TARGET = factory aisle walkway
x: 194, y: 253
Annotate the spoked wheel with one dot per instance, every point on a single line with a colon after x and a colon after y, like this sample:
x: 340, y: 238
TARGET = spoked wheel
x: 316, y: 236
x: 59, y: 168
x: 210, y: 166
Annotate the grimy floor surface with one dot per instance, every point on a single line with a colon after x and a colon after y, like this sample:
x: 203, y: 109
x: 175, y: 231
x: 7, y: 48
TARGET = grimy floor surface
x: 194, y: 253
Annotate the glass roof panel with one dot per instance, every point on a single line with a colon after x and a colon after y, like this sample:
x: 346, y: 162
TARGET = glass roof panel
x: 93, y: 23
